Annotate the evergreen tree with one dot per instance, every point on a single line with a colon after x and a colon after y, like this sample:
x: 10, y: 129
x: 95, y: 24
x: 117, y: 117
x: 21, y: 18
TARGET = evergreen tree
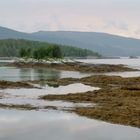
x: 22, y: 52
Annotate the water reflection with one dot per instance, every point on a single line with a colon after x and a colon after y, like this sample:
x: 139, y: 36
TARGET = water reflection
x: 133, y: 63
x: 30, y: 96
x: 38, y: 74
x: 46, y: 90
x: 124, y: 74
x: 48, y: 124
x: 23, y: 74
x: 41, y: 104
x: 5, y: 62
x: 55, y: 125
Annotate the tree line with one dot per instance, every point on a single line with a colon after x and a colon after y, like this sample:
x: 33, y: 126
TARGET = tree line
x: 52, y: 51
x: 36, y: 49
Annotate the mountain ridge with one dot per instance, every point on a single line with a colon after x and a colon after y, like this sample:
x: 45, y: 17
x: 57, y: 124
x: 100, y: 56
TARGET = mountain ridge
x: 103, y: 43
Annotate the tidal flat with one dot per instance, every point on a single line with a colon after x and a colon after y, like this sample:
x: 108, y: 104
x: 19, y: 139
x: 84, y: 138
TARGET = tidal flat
x: 117, y: 100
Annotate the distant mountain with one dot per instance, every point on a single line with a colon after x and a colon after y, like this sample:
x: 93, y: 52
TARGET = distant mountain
x: 105, y: 44
x: 6, y: 33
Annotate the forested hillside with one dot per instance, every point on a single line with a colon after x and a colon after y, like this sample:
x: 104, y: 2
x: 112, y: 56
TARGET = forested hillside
x: 11, y: 47
x: 103, y: 43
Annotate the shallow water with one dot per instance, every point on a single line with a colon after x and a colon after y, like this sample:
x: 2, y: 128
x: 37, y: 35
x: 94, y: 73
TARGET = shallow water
x: 4, y: 62
x: 132, y: 63
x: 52, y: 124
x: 124, y: 74
x: 57, y: 125
x: 30, y: 96
x: 24, y: 74
x: 46, y: 90
x: 41, y: 104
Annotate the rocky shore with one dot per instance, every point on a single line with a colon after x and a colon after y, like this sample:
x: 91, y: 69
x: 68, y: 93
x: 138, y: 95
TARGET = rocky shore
x: 118, y: 100
x: 72, y: 66
x: 9, y: 84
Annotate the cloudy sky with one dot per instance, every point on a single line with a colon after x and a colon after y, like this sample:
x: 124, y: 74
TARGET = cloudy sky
x: 120, y: 17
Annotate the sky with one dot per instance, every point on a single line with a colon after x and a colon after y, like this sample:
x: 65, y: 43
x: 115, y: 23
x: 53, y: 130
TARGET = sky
x: 121, y: 17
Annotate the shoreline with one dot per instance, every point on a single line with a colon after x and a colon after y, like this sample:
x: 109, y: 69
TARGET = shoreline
x: 72, y: 66
x: 118, y: 100
x: 116, y: 103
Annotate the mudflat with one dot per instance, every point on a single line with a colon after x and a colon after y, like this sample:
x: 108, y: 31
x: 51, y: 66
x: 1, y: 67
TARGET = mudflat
x: 118, y: 100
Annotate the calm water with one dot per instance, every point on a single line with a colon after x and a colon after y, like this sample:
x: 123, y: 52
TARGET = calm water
x: 57, y: 125
x: 23, y: 74
x: 52, y: 124
x: 4, y: 62
x: 30, y: 96
x: 132, y: 63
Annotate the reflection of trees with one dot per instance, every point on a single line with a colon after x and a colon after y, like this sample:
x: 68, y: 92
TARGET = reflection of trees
x: 47, y: 74
x: 25, y: 74
x: 38, y: 74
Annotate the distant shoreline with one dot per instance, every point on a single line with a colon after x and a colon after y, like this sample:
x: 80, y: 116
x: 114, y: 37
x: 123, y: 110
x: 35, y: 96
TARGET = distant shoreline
x: 69, y: 65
